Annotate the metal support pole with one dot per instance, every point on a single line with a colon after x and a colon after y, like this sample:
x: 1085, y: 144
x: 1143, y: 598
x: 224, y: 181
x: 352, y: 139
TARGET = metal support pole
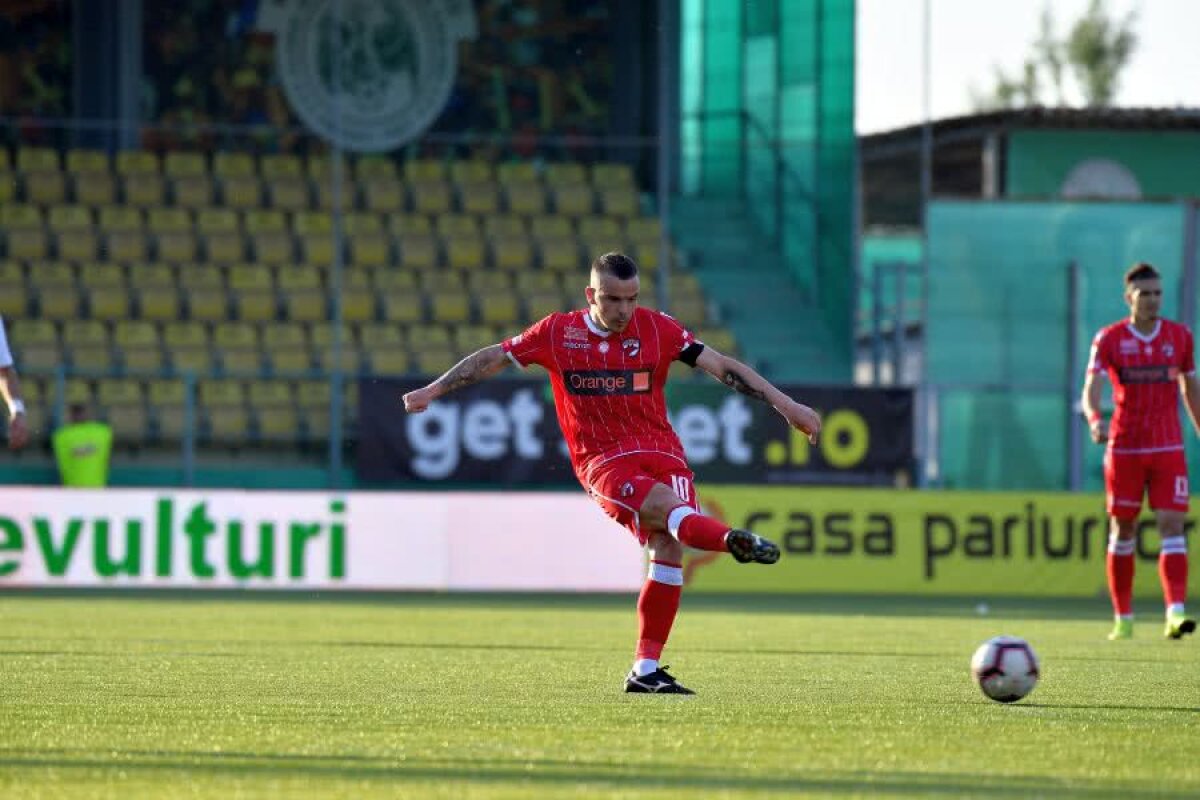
x: 876, y: 324
x: 899, y: 345
x: 189, y: 428
x: 1188, y: 284
x: 336, y: 379
x: 1074, y: 428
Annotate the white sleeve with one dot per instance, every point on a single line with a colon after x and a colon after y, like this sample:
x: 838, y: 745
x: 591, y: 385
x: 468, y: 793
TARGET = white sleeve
x: 6, y: 359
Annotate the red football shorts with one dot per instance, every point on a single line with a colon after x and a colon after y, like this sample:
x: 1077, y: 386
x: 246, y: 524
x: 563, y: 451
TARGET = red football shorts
x: 620, y: 486
x: 1127, y: 476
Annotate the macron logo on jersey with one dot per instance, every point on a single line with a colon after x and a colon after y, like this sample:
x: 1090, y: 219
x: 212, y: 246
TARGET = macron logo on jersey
x: 606, y: 382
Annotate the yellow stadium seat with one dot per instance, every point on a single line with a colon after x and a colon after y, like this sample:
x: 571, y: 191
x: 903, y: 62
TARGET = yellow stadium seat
x: 489, y: 281
x: 465, y: 252
x: 51, y: 274
x: 315, y: 422
x: 264, y: 221
x: 280, y: 165
x: 402, y: 307
x: 137, y: 162
x: 32, y: 331
x: 80, y: 161
x: 379, y: 336
x: 312, y: 394
x: 443, y: 280
x: 166, y: 392
x: 525, y: 198
x: 471, y: 171
x: 217, y: 220
x: 290, y: 194
x: 241, y: 362
x: 499, y: 309
x: 619, y: 201
x: 543, y: 302
x: 11, y: 273
x: 119, y: 391
x: 422, y: 337
x: 479, y: 198
x: 236, y: 336
x: 565, y: 173
x: 233, y: 165
x: 224, y: 248
x: 347, y: 196
x: 66, y: 218
x: 504, y: 226
x: 8, y: 188
x: 178, y: 335
x: 450, y: 306
x: 78, y: 390
x: 351, y: 360
x: 14, y: 300
x: 383, y: 195
x: 130, y: 424
x: 602, y: 229
x: 321, y: 334
x: 6, y: 163
x: 40, y: 357
x: 244, y: 277
x: 298, y: 277
x: 200, y: 276
x: 574, y: 199
x: 372, y: 167
x: 273, y: 248
x: 21, y: 217
x: 358, y: 305
x: 209, y: 305
x: 96, y: 274
x: 125, y: 246
x: 517, y: 172
x: 319, y: 167
x: 312, y: 222
x: 143, y: 359
x: 435, y: 361
x: 387, y: 280
x: 92, y: 358
x: 537, y: 281
x: 159, y: 303
x: 95, y: 189
x: 111, y: 304
x: 390, y: 362
x: 185, y: 165
x: 144, y: 190
x: 37, y: 159
x: 290, y: 360
x: 154, y: 274
x: 277, y: 335
x: 430, y: 197
x: 409, y: 225
x: 448, y: 225
x: 229, y: 426
x: 193, y: 192
x: 643, y: 230
x: 361, y: 222
x: 241, y: 192
x: 469, y: 338
x: 369, y: 250
x: 27, y: 244
x: 135, y: 333
x: 424, y: 169
x: 551, y: 227
x: 169, y: 422
x: 606, y: 175
x: 305, y: 305
x: 118, y: 218
x: 419, y: 252
x: 177, y: 247
x: 255, y: 305
x: 720, y: 339
x: 77, y: 245
x: 561, y: 254
x: 45, y: 188
x: 279, y: 424
x: 79, y: 332
x: 646, y: 256
x: 512, y: 254
x: 317, y: 249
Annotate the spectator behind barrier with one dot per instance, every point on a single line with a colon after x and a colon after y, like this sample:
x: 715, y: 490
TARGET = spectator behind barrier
x: 82, y: 448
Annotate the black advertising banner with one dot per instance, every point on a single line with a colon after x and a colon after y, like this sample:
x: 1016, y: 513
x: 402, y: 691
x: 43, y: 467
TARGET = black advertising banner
x: 505, y: 432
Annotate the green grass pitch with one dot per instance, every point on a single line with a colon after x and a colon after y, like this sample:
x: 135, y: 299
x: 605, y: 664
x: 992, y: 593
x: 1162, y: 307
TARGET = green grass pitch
x: 484, y: 696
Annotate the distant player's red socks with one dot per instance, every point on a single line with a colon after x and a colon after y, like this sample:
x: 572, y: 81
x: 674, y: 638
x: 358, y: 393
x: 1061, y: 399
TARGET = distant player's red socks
x: 696, y: 530
x: 1120, y: 574
x: 657, y: 606
x: 1173, y: 569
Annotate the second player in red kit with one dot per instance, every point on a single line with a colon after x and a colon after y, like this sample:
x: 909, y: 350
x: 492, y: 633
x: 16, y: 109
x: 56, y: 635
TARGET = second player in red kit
x: 608, y: 364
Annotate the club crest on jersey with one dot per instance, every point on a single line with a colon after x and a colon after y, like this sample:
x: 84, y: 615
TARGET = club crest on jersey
x: 632, y: 347
x: 1168, y: 350
x: 604, y: 347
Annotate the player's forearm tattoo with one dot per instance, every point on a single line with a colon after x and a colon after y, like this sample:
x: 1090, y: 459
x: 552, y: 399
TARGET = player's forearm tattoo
x: 736, y: 382
x: 471, y: 369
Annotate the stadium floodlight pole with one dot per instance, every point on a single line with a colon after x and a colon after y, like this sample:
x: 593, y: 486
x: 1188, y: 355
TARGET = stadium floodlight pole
x: 336, y: 377
x: 1074, y: 428
x: 923, y: 405
x: 665, y: 29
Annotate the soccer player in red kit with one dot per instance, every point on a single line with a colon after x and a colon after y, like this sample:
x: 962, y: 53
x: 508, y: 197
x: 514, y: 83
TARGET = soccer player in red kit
x: 607, y: 366
x: 1145, y: 357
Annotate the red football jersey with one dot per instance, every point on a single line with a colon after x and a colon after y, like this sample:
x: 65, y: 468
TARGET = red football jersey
x: 1144, y: 370
x: 608, y: 387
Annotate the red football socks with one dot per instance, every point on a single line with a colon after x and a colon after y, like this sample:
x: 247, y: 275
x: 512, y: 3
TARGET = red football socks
x: 696, y: 530
x: 1120, y: 575
x: 1173, y: 569
x: 657, y: 606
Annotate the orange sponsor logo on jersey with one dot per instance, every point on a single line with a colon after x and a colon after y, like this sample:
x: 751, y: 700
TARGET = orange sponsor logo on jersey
x: 598, y: 381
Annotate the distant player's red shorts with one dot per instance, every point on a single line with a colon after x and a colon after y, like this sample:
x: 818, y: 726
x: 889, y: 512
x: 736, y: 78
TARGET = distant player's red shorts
x: 1127, y: 476
x: 621, y: 485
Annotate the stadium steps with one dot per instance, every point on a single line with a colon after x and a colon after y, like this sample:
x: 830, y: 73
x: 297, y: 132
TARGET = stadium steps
x: 778, y: 326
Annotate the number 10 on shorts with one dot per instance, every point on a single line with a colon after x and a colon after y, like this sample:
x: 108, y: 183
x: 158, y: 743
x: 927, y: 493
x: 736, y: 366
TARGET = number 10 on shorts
x: 682, y: 488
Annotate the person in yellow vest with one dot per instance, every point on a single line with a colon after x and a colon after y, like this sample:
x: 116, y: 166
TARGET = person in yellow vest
x: 82, y: 448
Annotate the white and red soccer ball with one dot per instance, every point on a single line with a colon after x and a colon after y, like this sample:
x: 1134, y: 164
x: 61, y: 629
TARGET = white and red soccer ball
x: 1006, y: 668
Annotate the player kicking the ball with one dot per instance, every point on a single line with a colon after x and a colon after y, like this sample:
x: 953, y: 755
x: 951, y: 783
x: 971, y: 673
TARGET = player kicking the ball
x: 1144, y: 357
x: 607, y: 366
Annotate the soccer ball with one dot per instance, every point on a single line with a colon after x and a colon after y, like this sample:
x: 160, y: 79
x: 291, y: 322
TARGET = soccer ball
x: 1006, y: 668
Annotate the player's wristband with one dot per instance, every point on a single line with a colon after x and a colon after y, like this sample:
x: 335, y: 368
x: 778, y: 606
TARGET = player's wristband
x: 1093, y: 418
x: 16, y: 406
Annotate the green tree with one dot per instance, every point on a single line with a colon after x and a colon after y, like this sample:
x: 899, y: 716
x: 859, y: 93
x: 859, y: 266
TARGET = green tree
x: 1094, y: 53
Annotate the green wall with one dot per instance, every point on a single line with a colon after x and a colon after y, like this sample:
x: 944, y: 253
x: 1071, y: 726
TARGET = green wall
x: 1165, y: 163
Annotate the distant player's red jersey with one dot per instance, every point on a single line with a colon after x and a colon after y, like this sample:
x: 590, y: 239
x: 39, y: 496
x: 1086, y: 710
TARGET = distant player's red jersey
x: 1144, y: 370
x: 608, y: 387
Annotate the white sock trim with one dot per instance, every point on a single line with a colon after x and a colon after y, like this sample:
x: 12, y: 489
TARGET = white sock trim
x: 1121, y: 547
x: 644, y: 666
x: 1175, y: 609
x: 676, y: 518
x: 1174, y: 544
x: 665, y: 573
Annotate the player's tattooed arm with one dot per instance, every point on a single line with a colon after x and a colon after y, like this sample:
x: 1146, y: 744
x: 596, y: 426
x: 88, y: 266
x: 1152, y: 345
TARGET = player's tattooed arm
x: 744, y: 380
x: 479, y: 365
x: 734, y: 380
x: 476, y: 367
